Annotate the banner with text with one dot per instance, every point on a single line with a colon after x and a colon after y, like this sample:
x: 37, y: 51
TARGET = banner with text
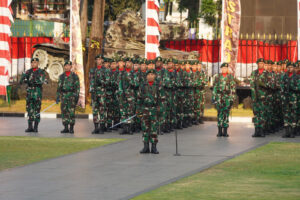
x: 231, y: 19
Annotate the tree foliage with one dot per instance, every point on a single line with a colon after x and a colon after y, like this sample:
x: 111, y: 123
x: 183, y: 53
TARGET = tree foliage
x: 209, y: 11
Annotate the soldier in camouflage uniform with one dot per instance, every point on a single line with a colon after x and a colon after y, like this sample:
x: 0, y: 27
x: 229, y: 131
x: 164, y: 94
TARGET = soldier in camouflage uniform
x: 162, y: 115
x: 259, y: 84
x: 113, y: 110
x: 148, y: 101
x: 170, y: 88
x: 99, y: 80
x: 196, y: 94
x: 187, y: 106
x: 223, y: 96
x: 68, y: 92
x: 288, y: 82
x: 136, y: 126
x: 180, y: 94
x: 126, y: 95
x: 34, y: 78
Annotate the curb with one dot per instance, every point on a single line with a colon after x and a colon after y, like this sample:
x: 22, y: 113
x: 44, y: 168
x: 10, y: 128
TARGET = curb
x: 90, y: 117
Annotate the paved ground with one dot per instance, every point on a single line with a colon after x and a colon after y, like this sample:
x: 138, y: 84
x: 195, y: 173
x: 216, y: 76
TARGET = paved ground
x: 118, y: 171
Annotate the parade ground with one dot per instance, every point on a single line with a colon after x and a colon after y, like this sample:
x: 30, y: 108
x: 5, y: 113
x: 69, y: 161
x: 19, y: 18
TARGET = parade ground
x: 117, y: 170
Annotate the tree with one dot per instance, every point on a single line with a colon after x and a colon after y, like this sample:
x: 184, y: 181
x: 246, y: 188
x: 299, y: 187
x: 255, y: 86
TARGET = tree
x: 193, y: 10
x: 209, y: 11
x: 115, y: 7
x: 96, y: 38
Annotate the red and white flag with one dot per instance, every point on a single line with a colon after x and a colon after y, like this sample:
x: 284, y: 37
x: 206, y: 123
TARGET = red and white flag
x: 152, y: 30
x: 5, y: 55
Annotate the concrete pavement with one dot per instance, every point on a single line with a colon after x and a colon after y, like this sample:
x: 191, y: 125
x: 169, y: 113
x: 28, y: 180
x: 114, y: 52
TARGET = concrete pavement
x: 118, y: 171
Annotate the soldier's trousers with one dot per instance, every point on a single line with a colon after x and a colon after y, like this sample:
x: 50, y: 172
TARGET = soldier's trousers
x: 67, y: 108
x: 99, y: 108
x: 259, y: 118
x: 149, y: 124
x: 188, y: 109
x: 171, y: 108
x: 179, y: 107
x: 33, y: 108
x: 223, y: 114
x: 113, y: 110
x: 197, y: 105
x: 127, y: 106
x: 202, y: 103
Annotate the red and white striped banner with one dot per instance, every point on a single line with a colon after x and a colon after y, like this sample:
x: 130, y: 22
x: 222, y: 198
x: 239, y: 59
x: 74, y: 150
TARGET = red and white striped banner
x: 152, y: 30
x: 5, y: 33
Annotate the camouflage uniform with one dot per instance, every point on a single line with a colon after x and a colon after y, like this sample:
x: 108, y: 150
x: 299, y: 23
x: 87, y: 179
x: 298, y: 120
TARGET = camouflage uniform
x: 259, y: 85
x: 148, y: 101
x: 180, y: 98
x: 99, y: 80
x: 290, y: 101
x: 201, y: 87
x: 223, y: 95
x: 127, y: 99
x: 68, y: 91
x: 188, y: 103
x: 34, y: 80
x: 161, y: 76
x: 112, y: 98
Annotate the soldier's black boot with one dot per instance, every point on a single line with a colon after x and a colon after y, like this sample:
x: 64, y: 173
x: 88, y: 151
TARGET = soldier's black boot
x: 255, y: 132
x: 154, y: 149
x: 146, y: 148
x: 96, y: 130
x: 29, y: 129
x: 287, y: 132
x: 261, y: 132
x: 109, y: 127
x: 171, y: 127
x: 124, y: 130
x: 116, y: 127
x: 66, y: 129
x: 72, y: 128
x: 102, y: 128
x: 219, y: 132
x: 184, y: 123
x: 36, y: 126
x: 129, y: 129
x: 292, y: 132
x: 225, y: 134
x: 201, y: 121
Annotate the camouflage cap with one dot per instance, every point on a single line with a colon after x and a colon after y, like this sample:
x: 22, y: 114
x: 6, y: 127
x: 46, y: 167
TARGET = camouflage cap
x: 153, y: 71
x: 114, y: 60
x: 151, y: 62
x: 224, y: 65
x: 129, y: 59
x: 68, y: 63
x: 260, y: 60
x: 298, y: 62
x: 158, y: 59
x: 290, y: 64
x: 136, y: 61
x: 181, y: 62
x: 270, y: 62
x: 35, y: 59
x: 279, y: 62
x: 99, y: 56
x: 143, y: 61
x: 285, y: 61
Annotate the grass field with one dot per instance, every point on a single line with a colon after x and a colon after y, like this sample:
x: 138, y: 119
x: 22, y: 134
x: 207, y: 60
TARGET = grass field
x: 19, y: 106
x: 19, y: 151
x: 271, y: 172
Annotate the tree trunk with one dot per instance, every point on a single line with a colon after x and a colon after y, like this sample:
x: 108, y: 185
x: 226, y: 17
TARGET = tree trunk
x: 96, y: 39
x: 84, y: 28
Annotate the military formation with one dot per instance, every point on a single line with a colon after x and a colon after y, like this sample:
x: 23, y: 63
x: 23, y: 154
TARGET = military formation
x: 275, y: 92
x: 161, y: 95
x: 153, y: 96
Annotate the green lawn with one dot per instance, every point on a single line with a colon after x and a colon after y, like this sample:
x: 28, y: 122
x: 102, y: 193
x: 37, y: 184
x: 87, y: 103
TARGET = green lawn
x: 271, y: 172
x: 19, y: 151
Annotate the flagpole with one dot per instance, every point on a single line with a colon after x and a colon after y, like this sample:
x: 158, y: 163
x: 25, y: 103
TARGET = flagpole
x: 71, y: 24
